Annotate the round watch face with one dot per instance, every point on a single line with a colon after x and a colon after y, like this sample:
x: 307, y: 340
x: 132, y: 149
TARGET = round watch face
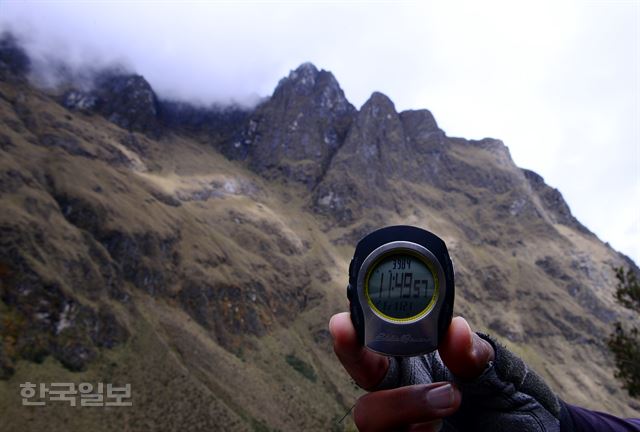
x: 401, y: 286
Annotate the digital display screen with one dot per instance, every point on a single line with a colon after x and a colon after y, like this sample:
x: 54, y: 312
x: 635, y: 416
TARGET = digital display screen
x: 400, y: 286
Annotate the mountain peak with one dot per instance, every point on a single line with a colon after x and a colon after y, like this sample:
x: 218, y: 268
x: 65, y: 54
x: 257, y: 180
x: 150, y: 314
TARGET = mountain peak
x: 126, y: 99
x: 553, y: 201
x: 421, y: 120
x: 301, y: 80
x: 318, y: 84
x: 13, y: 60
x: 378, y: 104
x: 298, y: 129
x: 305, y: 72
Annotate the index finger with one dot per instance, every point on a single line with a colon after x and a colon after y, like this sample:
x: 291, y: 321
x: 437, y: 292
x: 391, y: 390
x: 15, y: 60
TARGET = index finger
x: 365, y: 367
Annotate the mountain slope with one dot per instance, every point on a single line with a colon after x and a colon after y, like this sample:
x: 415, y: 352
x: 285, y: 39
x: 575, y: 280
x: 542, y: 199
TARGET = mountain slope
x: 198, y: 254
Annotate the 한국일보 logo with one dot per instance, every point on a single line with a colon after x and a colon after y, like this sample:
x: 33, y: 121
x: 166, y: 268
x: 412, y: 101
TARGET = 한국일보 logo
x: 71, y: 393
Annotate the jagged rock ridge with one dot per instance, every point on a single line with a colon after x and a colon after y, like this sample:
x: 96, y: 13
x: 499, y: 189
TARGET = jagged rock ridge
x: 314, y: 120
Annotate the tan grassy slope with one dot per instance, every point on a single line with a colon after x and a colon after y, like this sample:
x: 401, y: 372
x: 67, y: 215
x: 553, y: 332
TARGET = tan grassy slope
x: 160, y: 263
x: 225, y: 264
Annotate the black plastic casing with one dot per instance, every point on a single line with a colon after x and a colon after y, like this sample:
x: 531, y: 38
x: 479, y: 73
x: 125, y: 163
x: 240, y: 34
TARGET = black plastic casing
x: 422, y: 237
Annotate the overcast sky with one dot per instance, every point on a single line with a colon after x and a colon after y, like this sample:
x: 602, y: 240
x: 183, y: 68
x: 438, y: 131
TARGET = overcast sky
x: 558, y: 82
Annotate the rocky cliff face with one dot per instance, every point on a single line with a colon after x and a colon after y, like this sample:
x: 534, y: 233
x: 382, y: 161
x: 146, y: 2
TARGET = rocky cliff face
x: 14, y: 62
x: 312, y: 117
x: 199, y: 252
x: 124, y: 99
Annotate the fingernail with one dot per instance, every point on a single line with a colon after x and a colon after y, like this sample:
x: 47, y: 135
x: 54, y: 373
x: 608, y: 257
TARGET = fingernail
x: 476, y: 346
x: 481, y: 350
x: 440, y: 397
x: 331, y: 326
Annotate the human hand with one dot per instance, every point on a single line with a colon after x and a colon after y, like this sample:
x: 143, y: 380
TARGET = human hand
x: 472, y: 383
x: 418, y: 406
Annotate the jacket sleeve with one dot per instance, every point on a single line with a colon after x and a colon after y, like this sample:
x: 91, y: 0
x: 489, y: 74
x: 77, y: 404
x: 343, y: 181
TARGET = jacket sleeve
x: 577, y: 419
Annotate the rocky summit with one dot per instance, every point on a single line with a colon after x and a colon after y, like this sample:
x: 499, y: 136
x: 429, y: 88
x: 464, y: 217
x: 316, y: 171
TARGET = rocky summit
x: 197, y: 253
x: 313, y: 117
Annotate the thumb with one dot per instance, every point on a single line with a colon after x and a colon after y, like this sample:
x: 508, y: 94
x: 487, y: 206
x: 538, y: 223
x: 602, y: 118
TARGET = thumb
x: 463, y: 352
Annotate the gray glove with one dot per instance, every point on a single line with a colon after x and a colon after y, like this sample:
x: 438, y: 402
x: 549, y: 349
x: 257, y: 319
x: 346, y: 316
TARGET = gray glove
x: 507, y: 396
